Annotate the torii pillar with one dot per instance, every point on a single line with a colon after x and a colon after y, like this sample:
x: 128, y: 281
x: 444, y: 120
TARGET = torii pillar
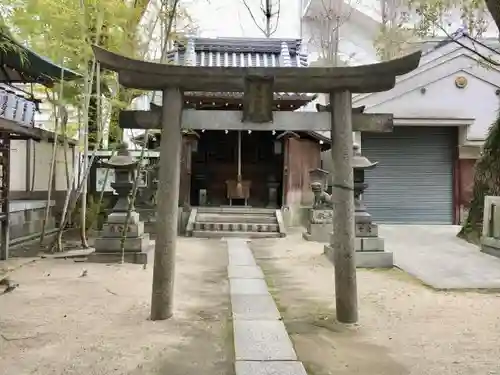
x: 167, y: 211
x: 258, y: 86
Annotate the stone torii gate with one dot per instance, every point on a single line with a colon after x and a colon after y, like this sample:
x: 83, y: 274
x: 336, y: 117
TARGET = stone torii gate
x: 258, y: 85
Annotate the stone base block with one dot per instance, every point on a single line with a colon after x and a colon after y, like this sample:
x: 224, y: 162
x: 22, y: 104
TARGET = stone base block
x: 132, y: 244
x: 369, y: 244
x: 115, y: 230
x: 365, y: 243
x: 366, y: 235
x: 129, y: 257
x: 318, y: 232
x: 490, y: 246
x: 366, y: 230
x: 367, y: 259
x: 120, y: 217
x: 490, y: 250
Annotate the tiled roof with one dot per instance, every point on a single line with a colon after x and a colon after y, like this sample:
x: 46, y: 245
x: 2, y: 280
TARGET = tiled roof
x: 491, y: 44
x: 240, y: 52
x: 239, y: 95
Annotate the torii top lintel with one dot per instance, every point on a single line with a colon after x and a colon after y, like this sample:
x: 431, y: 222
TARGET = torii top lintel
x: 358, y: 79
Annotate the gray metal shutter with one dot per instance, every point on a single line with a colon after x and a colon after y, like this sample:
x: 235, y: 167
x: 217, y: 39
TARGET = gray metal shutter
x: 413, y: 182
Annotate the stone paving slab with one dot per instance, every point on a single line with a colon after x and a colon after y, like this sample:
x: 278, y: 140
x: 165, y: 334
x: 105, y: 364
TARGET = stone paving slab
x: 262, y: 340
x: 434, y: 255
x: 254, y: 307
x: 244, y: 272
x: 237, y: 240
x: 248, y: 286
x: 240, y: 257
x: 269, y: 368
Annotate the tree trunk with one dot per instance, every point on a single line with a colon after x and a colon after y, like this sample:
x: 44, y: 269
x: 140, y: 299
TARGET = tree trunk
x: 486, y: 182
x: 487, y: 168
x: 494, y: 8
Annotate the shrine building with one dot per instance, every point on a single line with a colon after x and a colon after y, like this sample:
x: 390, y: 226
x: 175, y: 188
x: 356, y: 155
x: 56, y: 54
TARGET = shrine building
x: 272, y: 167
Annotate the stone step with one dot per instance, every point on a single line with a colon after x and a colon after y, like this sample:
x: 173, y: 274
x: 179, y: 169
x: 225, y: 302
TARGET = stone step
x: 236, y: 210
x: 221, y: 234
x: 239, y: 227
x: 234, y: 218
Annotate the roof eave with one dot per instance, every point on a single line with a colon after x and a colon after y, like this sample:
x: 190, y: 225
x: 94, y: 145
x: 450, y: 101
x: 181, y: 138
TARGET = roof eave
x: 35, y: 68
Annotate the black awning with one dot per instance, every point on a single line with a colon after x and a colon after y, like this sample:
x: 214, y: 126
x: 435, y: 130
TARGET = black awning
x: 19, y: 64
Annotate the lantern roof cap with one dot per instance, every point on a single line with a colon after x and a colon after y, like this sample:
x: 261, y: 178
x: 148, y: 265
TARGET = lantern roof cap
x: 318, y: 172
x: 123, y: 159
x: 359, y: 161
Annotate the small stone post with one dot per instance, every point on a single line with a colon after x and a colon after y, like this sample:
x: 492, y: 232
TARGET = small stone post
x: 342, y: 242
x: 168, y: 199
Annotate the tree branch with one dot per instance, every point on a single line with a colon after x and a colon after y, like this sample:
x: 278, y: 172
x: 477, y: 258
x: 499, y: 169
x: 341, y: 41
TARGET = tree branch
x: 277, y: 14
x: 474, y: 51
x: 253, y: 17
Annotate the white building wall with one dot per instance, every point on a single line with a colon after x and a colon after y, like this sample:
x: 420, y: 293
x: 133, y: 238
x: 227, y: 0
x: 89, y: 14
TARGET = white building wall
x: 60, y: 168
x: 18, y: 165
x: 430, y: 92
x: 42, y: 157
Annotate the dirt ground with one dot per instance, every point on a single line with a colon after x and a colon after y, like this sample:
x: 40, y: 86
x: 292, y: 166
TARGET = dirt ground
x: 57, y: 322
x: 405, y: 327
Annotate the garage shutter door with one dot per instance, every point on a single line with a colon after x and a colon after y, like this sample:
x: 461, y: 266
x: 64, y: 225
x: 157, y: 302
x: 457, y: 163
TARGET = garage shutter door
x: 413, y: 182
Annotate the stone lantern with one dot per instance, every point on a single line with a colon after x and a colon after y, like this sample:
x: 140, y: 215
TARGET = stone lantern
x: 125, y: 167
x: 369, y: 246
x: 360, y: 164
x: 108, y: 245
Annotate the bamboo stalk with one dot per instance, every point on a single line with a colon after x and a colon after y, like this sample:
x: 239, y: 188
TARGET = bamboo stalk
x: 54, y: 156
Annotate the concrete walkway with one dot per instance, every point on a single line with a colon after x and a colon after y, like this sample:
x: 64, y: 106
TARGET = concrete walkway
x: 434, y: 255
x: 261, y: 344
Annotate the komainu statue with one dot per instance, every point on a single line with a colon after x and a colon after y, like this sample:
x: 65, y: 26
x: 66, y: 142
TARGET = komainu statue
x: 322, y: 200
x: 319, y: 226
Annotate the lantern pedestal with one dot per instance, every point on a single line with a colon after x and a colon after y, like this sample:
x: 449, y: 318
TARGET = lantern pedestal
x: 108, y: 245
x: 369, y: 249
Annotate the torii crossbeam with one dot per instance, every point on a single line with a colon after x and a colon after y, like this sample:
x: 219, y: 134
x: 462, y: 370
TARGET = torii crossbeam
x: 258, y: 85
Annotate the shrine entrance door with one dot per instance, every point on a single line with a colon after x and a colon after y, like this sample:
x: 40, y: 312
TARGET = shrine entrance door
x: 215, y: 168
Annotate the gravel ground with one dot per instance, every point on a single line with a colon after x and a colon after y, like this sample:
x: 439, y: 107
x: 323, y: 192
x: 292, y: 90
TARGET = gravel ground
x: 58, y: 322
x: 405, y: 327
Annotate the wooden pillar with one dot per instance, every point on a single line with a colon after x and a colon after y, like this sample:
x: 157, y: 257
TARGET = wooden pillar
x: 185, y: 177
x: 168, y: 199
x: 342, y: 240
x: 286, y: 172
x: 4, y: 195
x: 28, y: 149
